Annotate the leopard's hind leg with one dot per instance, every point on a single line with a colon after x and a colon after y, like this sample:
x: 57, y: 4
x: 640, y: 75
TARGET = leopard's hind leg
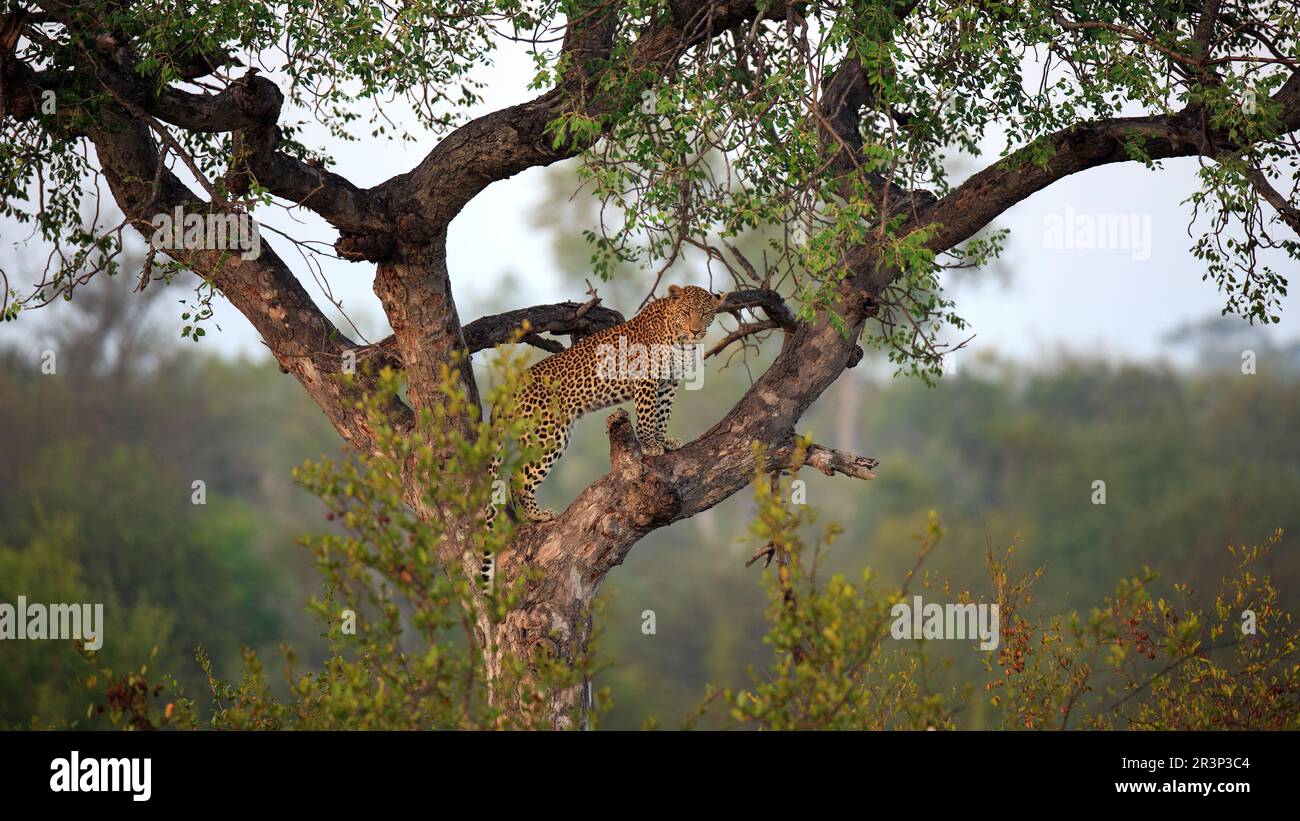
x: 548, y: 437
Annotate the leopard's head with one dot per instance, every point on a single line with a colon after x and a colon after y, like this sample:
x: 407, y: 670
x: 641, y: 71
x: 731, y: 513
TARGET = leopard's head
x: 690, y: 312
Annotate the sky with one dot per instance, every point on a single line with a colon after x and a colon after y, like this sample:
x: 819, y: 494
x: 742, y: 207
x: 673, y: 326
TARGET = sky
x: 1047, y: 295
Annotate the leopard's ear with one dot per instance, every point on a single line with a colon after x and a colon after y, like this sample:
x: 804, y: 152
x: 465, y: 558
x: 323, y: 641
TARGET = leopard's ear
x: 718, y: 299
x: 674, y: 291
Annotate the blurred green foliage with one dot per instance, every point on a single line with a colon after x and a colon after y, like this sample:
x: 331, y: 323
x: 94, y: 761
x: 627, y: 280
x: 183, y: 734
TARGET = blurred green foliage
x: 96, y: 485
x: 406, y: 651
x: 1149, y: 656
x: 1008, y: 454
x: 95, y: 488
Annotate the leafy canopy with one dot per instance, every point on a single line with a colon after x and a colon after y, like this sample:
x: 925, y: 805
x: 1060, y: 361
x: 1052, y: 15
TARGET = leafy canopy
x: 738, y: 137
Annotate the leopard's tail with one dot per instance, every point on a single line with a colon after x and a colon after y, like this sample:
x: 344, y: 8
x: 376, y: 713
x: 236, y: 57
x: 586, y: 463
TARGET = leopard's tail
x: 487, y: 561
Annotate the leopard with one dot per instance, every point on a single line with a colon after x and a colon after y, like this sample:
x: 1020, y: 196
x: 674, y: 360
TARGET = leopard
x: 642, y: 360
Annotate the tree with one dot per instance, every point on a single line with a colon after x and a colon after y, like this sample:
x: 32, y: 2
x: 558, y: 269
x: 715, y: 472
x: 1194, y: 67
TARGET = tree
x: 824, y: 125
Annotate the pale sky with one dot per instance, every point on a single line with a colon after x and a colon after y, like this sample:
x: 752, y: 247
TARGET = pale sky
x: 1117, y: 304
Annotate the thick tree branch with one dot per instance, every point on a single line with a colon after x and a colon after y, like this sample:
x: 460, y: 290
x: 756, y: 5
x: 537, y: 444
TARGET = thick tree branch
x: 249, y: 101
x: 506, y: 142
x: 250, y: 107
x: 845, y: 95
x: 560, y: 319
x: 736, y: 302
x: 1289, y: 213
x: 20, y: 88
x: 300, y: 337
x: 772, y: 303
x: 831, y: 462
x: 979, y: 200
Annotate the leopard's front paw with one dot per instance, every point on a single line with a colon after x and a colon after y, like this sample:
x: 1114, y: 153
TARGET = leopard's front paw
x: 542, y: 515
x: 653, y: 448
x: 672, y: 443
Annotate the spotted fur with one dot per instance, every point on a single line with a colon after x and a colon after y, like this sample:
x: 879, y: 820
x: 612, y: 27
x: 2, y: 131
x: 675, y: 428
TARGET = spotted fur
x: 579, y: 380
